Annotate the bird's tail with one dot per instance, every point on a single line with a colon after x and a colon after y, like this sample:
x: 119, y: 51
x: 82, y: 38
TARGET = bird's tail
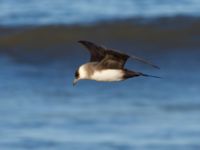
x: 147, y: 75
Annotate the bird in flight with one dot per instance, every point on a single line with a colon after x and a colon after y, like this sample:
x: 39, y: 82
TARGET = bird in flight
x: 107, y: 65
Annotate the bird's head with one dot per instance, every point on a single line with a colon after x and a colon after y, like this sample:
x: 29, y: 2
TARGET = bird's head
x: 76, y: 77
x: 80, y: 74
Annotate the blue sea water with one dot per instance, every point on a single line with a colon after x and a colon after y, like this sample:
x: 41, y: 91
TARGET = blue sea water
x: 40, y: 12
x: 40, y: 109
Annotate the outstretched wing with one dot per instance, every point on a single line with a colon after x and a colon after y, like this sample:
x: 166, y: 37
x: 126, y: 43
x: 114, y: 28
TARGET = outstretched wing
x: 97, y: 52
x: 108, y: 58
x: 116, y: 60
x: 113, y: 60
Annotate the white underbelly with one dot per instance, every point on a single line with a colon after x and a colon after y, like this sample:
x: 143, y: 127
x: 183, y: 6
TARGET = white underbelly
x: 108, y: 75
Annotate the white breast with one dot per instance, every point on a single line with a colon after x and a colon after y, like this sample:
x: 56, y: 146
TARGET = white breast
x: 108, y: 75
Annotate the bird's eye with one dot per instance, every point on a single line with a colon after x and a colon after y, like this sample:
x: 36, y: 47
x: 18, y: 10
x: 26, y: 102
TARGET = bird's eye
x: 76, y: 74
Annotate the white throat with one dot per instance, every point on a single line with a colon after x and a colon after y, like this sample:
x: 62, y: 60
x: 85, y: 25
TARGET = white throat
x: 83, y: 72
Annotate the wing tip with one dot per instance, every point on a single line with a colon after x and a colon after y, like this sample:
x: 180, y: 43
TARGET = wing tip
x: 155, y: 66
x: 144, y: 61
x: 81, y: 41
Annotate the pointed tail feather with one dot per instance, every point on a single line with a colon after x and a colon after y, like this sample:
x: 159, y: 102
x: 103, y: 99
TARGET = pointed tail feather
x: 147, y: 75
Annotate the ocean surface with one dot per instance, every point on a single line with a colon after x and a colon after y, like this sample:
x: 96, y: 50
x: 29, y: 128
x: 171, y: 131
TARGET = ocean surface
x: 42, y: 12
x: 40, y: 109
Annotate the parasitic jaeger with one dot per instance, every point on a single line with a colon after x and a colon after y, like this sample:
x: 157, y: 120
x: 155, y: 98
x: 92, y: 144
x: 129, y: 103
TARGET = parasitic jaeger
x: 107, y: 65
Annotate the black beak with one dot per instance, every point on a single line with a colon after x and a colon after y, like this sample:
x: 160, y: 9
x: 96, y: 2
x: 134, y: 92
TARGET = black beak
x: 75, y: 82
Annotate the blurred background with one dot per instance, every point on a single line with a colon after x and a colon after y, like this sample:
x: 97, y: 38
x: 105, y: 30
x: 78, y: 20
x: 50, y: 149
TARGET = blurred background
x: 39, y: 53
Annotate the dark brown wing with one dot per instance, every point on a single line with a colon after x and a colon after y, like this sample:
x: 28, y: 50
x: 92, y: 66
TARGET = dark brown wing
x: 110, y: 58
x: 116, y: 60
x: 124, y: 55
x: 97, y: 52
x: 113, y: 60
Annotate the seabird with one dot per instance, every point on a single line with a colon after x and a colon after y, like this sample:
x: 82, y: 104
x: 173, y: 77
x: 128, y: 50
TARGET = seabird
x: 107, y: 65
